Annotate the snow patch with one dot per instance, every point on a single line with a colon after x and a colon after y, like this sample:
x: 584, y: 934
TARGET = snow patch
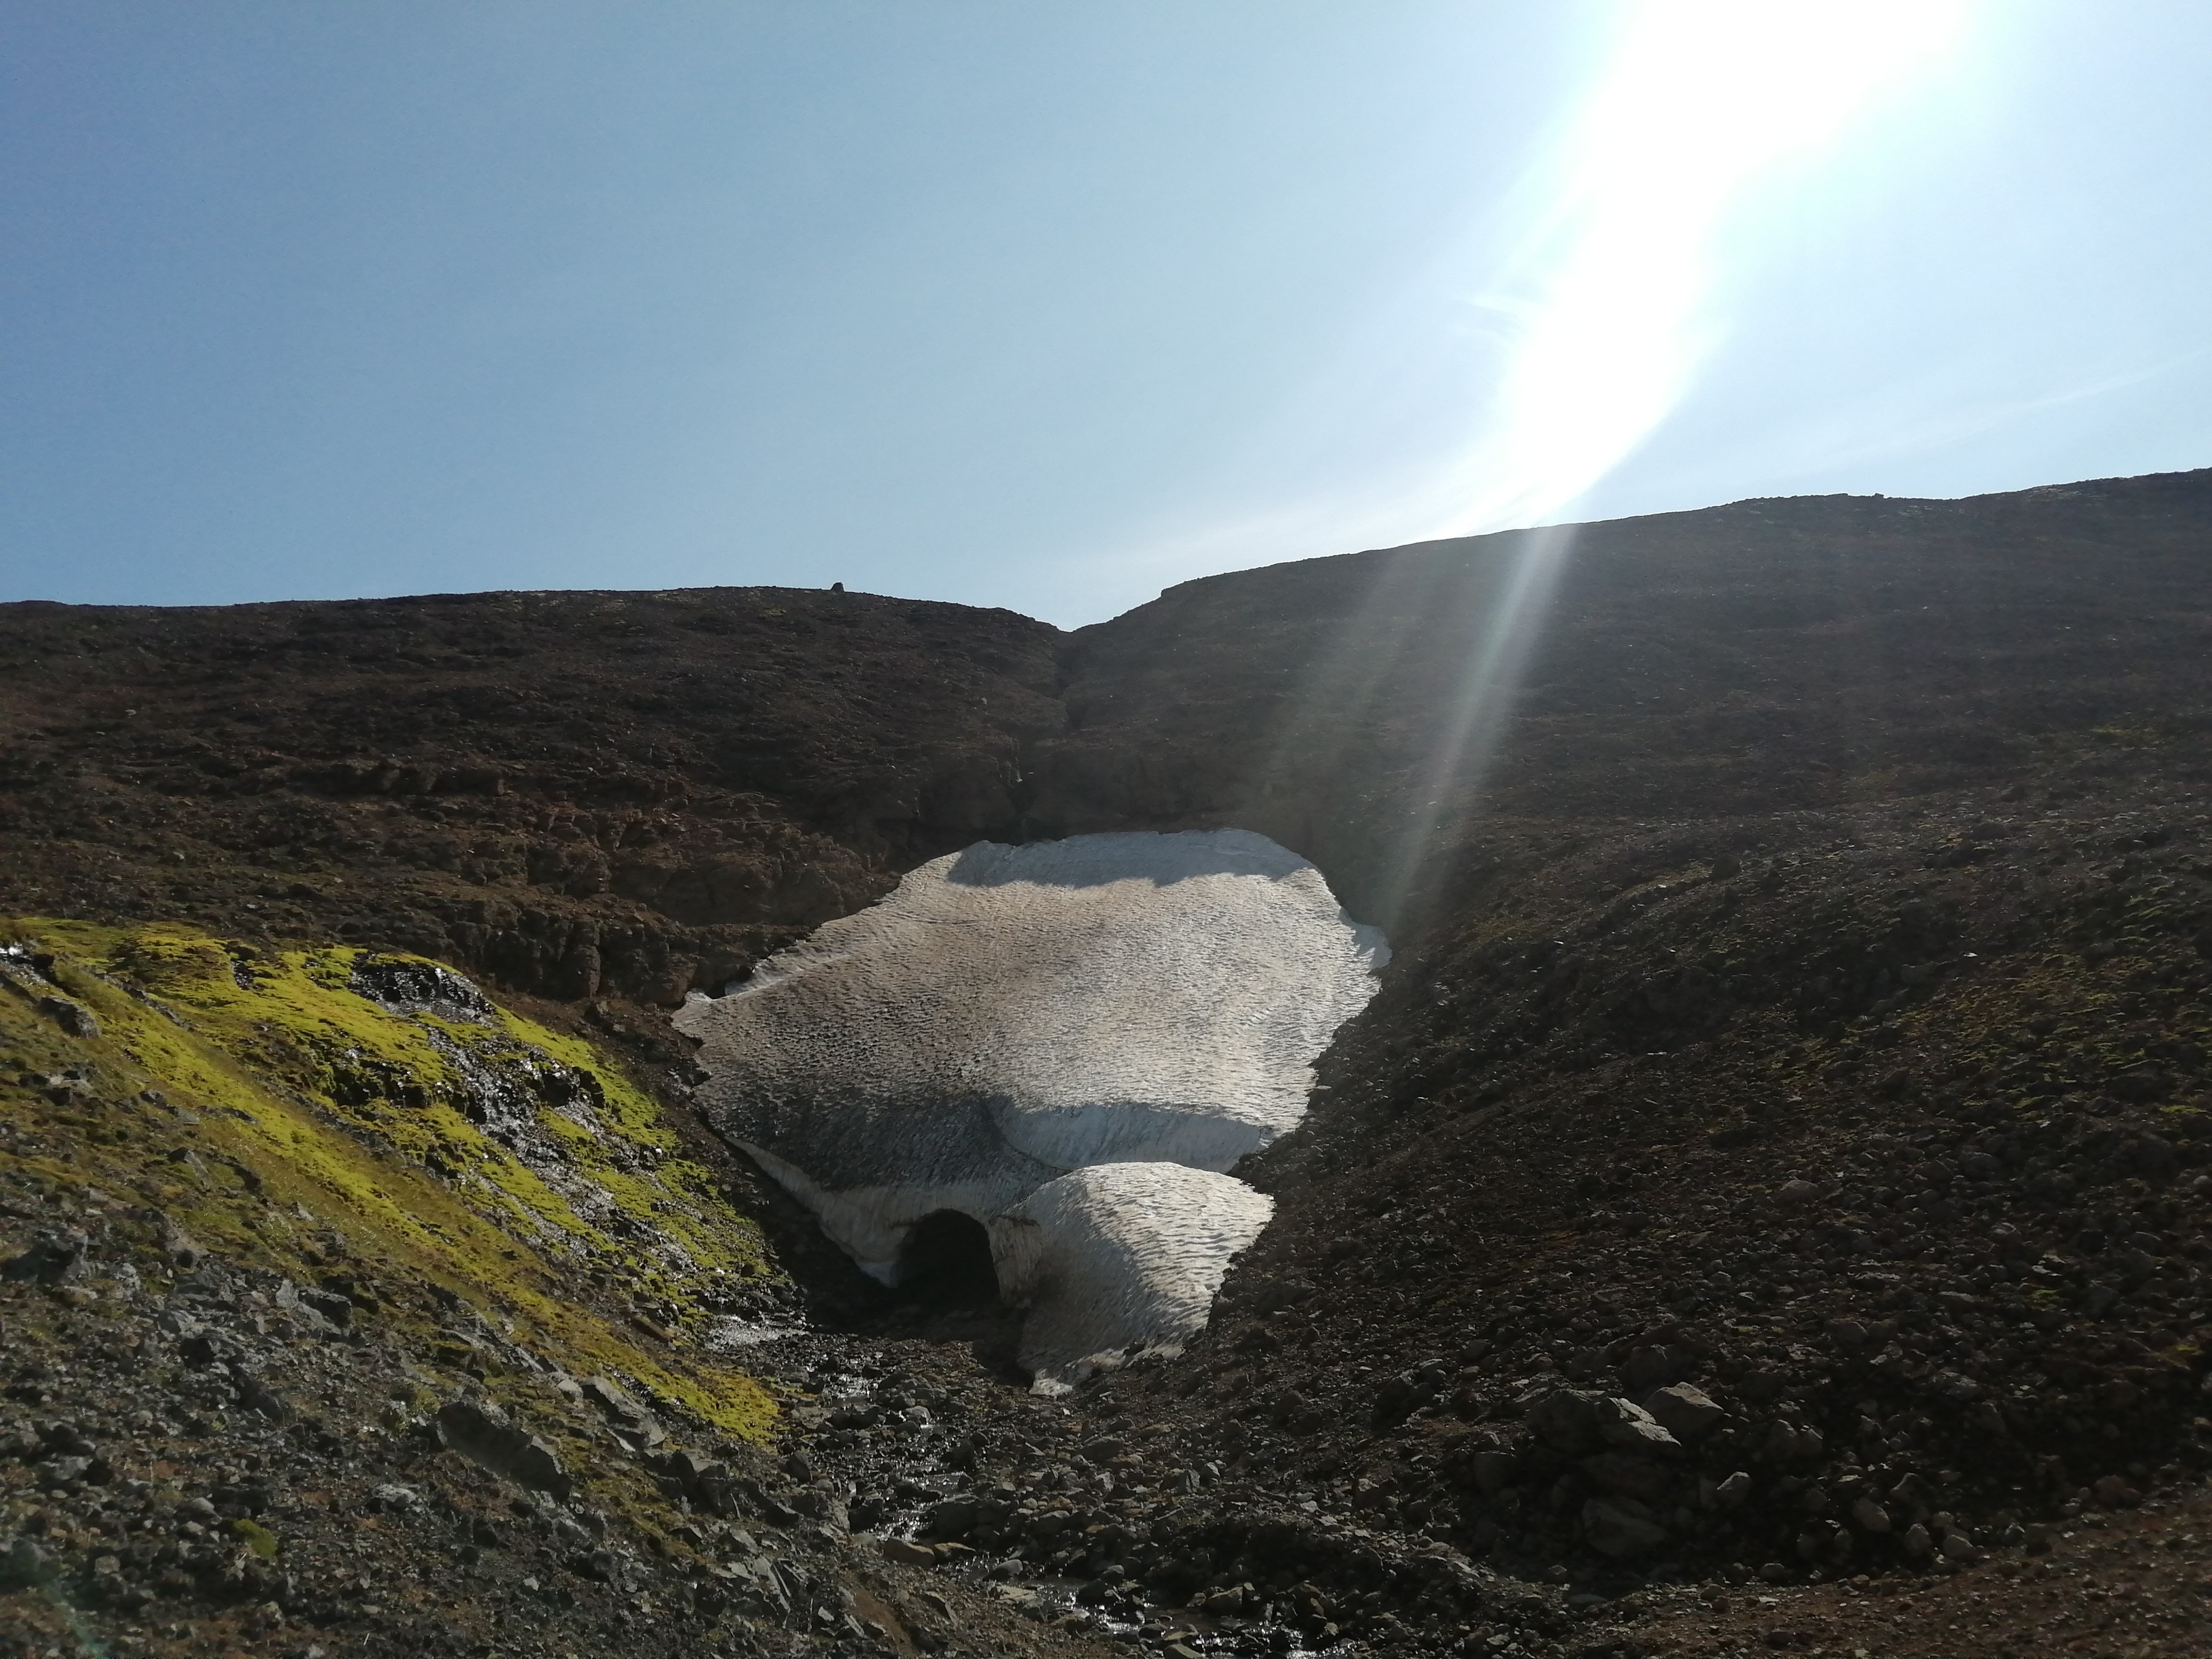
x: 1120, y: 1257
x: 1146, y: 1004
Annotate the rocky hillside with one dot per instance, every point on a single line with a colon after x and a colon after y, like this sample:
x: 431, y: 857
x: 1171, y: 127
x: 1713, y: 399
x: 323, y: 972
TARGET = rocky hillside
x: 1777, y: 1158
x: 1770, y: 658
x: 635, y: 793
x: 571, y: 793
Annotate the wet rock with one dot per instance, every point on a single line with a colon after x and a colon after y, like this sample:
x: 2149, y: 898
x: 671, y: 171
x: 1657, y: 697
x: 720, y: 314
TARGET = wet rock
x: 1917, y: 1542
x: 955, y: 1517
x: 489, y: 1441
x: 411, y: 986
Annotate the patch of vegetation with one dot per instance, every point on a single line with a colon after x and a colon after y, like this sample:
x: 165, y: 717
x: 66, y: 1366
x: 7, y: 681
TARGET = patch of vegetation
x: 274, y: 1106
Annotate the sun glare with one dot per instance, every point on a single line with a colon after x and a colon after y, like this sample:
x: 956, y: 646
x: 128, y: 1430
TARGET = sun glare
x: 1608, y: 303
x: 1578, y: 311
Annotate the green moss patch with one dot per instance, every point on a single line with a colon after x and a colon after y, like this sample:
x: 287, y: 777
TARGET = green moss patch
x: 270, y: 1104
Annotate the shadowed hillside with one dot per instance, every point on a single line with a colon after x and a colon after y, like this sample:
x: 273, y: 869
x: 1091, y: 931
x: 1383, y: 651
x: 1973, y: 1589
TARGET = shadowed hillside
x: 1779, y: 1155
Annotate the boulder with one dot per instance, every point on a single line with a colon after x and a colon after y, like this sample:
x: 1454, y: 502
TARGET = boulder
x: 1566, y: 1419
x: 489, y: 1441
x: 1685, y: 1411
x: 2114, y: 1493
x: 1493, y: 1470
x: 1653, y: 1366
x: 1623, y: 1475
x: 1620, y: 1526
x: 1623, y: 1423
x: 72, y: 1017
x: 1870, y: 1515
x: 953, y: 1518
x: 54, y: 1259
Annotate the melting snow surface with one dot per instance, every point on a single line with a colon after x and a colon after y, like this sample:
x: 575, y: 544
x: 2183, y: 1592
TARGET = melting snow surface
x: 1067, y: 1042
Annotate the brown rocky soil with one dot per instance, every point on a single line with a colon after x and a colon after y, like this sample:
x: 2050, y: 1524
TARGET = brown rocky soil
x: 1765, y: 1208
x: 572, y: 794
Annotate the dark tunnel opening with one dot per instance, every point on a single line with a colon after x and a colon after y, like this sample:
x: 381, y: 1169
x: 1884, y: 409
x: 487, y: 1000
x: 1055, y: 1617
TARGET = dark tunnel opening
x: 946, y: 1262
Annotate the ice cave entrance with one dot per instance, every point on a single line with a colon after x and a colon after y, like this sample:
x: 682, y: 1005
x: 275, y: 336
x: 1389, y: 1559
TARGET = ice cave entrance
x: 946, y: 1261
x: 1063, y: 1047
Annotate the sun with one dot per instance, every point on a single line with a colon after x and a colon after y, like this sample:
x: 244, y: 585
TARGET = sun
x: 1608, y: 300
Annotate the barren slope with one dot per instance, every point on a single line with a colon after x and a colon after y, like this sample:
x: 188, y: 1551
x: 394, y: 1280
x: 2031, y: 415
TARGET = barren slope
x: 1802, y: 996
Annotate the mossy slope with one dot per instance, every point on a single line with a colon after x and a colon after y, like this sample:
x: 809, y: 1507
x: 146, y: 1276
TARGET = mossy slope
x: 304, y: 1110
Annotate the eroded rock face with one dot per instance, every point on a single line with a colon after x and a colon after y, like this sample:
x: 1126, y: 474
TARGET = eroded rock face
x: 1139, y: 1003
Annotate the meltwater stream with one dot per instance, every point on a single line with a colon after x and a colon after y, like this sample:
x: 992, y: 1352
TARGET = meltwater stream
x: 1068, y: 1044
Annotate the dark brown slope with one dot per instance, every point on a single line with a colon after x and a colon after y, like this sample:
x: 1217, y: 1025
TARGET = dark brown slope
x: 1810, y: 1002
x: 572, y: 792
x: 1853, y: 844
x: 638, y: 793
x: 1767, y: 656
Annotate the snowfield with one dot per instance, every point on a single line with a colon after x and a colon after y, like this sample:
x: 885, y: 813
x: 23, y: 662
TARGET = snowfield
x: 1143, y: 1009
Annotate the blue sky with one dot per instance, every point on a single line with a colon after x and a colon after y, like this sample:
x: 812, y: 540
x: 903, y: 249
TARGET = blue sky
x: 1049, y: 306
